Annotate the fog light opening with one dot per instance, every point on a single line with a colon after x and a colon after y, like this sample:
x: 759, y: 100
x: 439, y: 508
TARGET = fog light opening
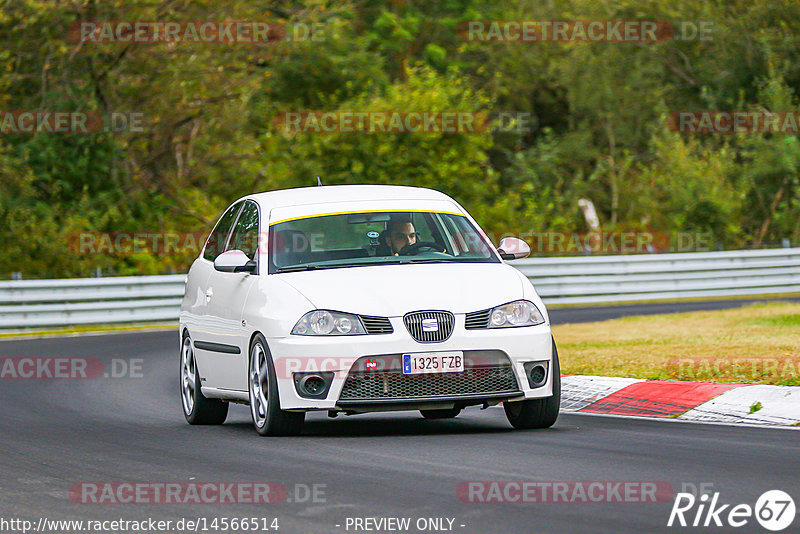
x: 312, y: 385
x: 537, y: 374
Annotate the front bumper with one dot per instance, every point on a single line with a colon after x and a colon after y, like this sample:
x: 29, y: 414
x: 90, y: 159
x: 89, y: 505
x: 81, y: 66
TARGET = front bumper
x: 484, y: 351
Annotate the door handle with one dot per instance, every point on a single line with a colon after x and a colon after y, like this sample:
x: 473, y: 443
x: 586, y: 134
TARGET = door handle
x: 209, y: 294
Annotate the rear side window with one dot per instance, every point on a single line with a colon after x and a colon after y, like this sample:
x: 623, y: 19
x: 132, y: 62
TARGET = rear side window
x: 245, y: 233
x: 216, y: 241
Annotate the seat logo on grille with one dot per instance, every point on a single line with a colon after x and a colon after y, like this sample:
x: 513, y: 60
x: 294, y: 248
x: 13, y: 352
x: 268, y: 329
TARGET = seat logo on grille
x: 430, y: 325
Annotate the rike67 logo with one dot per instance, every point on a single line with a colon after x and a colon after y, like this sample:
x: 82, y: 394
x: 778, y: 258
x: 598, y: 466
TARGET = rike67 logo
x: 774, y: 510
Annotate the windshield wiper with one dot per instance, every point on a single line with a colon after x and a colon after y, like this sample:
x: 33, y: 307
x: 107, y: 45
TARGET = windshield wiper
x: 309, y: 267
x: 314, y: 267
x: 405, y: 260
x: 432, y: 260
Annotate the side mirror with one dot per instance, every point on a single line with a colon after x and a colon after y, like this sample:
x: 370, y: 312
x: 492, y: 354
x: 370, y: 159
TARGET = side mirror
x: 511, y: 248
x: 234, y: 261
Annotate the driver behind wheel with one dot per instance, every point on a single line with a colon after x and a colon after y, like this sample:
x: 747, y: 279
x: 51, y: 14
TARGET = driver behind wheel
x: 399, y: 234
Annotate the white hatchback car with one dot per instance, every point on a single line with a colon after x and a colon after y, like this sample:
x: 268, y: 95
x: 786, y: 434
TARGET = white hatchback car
x: 361, y: 298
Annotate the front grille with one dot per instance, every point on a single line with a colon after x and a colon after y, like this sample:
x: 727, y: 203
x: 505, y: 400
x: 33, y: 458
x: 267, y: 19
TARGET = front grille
x: 378, y: 385
x: 376, y: 325
x: 444, y: 322
x: 478, y: 319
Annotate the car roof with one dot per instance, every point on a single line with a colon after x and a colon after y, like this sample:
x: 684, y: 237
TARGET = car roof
x: 343, y: 193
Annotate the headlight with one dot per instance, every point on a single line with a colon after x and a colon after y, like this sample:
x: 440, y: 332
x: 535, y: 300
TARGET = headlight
x: 517, y: 313
x: 328, y: 323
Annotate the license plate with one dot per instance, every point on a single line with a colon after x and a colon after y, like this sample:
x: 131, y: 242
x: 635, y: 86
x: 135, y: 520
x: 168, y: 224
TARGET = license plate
x: 433, y: 362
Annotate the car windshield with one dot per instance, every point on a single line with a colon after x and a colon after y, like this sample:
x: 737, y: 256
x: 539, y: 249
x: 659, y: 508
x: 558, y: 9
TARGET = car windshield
x: 375, y: 238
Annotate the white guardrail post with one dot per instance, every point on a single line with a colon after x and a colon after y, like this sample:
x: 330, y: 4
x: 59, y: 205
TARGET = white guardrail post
x: 563, y: 280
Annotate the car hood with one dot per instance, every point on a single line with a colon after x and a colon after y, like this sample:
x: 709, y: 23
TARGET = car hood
x: 394, y: 290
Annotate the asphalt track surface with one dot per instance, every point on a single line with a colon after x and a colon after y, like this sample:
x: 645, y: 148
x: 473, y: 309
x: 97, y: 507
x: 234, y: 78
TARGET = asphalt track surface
x: 56, y: 433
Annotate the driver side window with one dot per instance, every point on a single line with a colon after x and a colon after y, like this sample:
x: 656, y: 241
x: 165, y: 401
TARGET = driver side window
x: 219, y: 236
x: 245, y: 233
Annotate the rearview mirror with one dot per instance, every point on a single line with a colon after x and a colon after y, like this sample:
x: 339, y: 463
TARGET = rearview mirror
x: 234, y: 261
x: 512, y: 248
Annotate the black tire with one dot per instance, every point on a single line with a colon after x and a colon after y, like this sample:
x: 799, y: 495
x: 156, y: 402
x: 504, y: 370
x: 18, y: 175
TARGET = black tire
x: 537, y: 413
x: 197, y: 409
x: 268, y: 420
x: 447, y: 413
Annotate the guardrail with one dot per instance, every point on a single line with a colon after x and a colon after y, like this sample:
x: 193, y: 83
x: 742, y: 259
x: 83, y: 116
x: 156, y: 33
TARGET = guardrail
x: 82, y: 301
x: 609, y: 279
x: 562, y: 280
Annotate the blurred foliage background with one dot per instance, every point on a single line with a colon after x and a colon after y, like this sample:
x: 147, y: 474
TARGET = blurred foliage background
x: 599, y: 120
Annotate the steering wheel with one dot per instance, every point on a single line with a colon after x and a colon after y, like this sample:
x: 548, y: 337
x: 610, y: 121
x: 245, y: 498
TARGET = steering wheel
x: 421, y: 246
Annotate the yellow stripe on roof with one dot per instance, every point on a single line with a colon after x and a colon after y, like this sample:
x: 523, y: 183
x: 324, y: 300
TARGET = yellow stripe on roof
x: 272, y: 223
